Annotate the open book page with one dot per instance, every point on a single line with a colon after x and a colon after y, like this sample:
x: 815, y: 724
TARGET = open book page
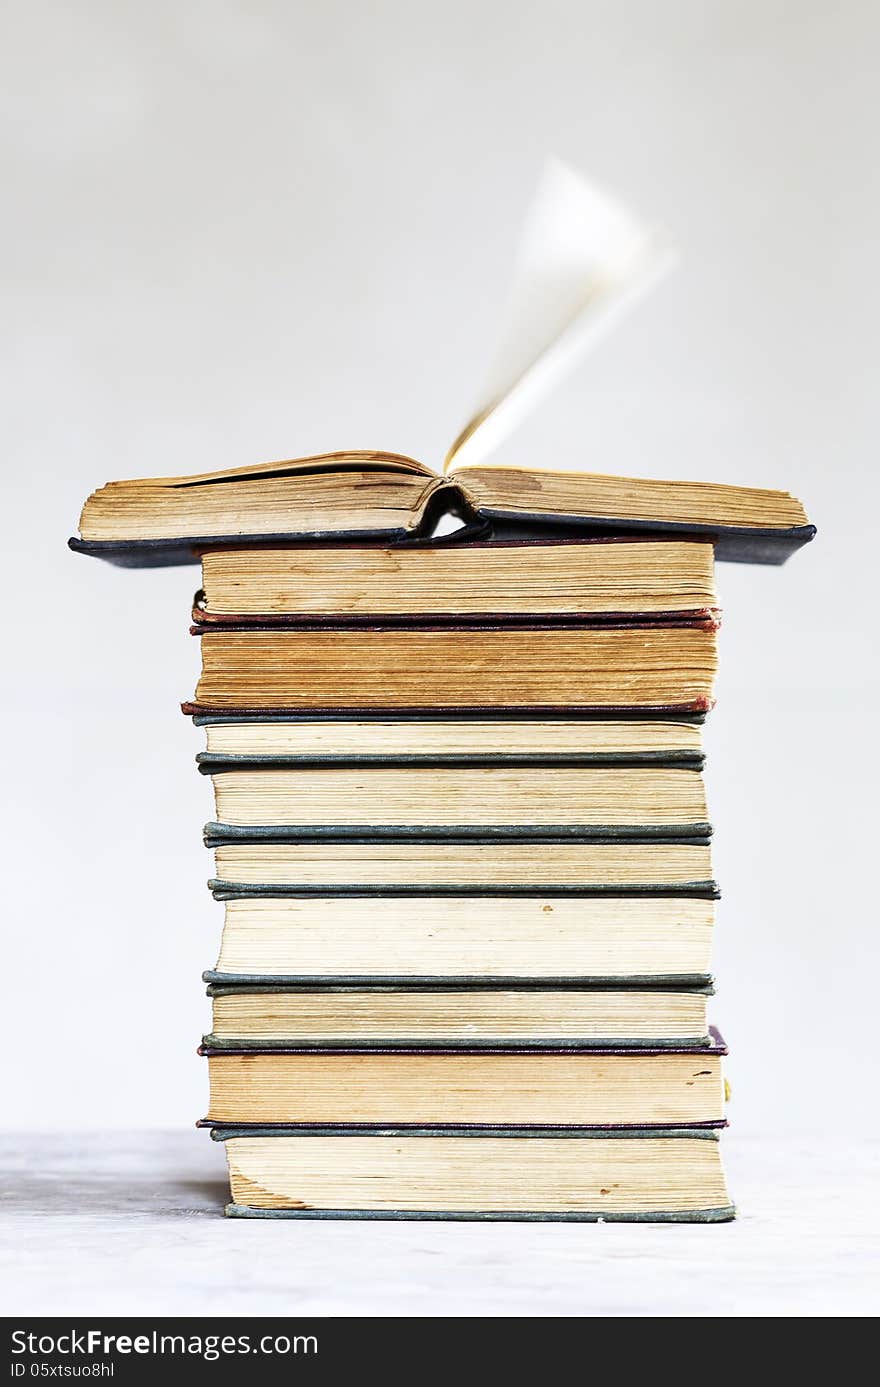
x: 583, y: 261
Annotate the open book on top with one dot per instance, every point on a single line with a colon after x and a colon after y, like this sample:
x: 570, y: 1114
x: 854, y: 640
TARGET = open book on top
x: 382, y: 497
x: 583, y: 260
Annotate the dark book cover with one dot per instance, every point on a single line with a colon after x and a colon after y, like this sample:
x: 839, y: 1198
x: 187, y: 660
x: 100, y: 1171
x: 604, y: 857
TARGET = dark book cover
x: 207, y: 712
x: 732, y: 543
x: 222, y: 717
x: 281, y: 982
x: 231, y: 890
x: 217, y: 834
x: 212, y: 763
x: 714, y: 1047
x: 263, y: 984
x: 724, y: 1214
x: 704, y: 620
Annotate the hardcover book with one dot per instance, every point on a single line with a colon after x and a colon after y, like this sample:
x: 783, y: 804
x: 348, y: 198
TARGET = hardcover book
x: 509, y: 1086
x: 385, y: 497
x: 293, y: 740
x: 490, y: 939
x: 591, y: 580
x: 581, y: 260
x: 481, y: 867
x: 475, y: 669
x: 656, y: 1175
x: 608, y: 802
x: 268, y: 1016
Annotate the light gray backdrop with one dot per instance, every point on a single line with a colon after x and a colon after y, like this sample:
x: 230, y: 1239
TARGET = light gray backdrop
x: 236, y: 232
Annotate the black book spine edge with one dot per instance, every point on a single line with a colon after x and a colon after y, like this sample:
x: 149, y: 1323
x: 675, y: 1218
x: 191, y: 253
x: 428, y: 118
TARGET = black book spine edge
x: 215, y: 763
x: 715, y: 1048
x: 203, y: 623
x: 707, y: 1131
x: 472, y: 711
x: 217, y: 834
x: 733, y: 543
x: 723, y: 1214
x: 221, y: 984
x: 234, y: 890
x: 221, y: 718
x: 707, y: 620
x: 164, y: 553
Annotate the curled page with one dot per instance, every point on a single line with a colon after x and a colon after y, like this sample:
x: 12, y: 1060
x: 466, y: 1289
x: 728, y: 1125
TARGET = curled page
x: 583, y: 260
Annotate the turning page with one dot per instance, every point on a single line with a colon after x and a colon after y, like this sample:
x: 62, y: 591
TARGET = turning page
x: 583, y: 260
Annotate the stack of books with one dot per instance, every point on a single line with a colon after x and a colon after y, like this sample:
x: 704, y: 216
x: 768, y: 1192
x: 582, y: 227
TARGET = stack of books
x: 460, y: 830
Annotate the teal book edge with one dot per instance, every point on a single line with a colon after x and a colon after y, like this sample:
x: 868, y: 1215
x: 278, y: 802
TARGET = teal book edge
x: 221, y: 983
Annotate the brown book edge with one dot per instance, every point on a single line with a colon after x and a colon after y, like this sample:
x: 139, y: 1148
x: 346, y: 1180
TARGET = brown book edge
x: 475, y: 710
x: 706, y: 618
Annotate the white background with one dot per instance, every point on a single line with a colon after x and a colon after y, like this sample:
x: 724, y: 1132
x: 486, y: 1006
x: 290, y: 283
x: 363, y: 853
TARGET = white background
x: 238, y: 232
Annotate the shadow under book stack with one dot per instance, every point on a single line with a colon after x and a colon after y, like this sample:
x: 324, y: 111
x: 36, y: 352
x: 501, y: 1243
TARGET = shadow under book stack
x: 462, y: 840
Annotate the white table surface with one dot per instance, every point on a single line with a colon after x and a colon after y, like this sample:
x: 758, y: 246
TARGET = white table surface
x: 132, y: 1224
